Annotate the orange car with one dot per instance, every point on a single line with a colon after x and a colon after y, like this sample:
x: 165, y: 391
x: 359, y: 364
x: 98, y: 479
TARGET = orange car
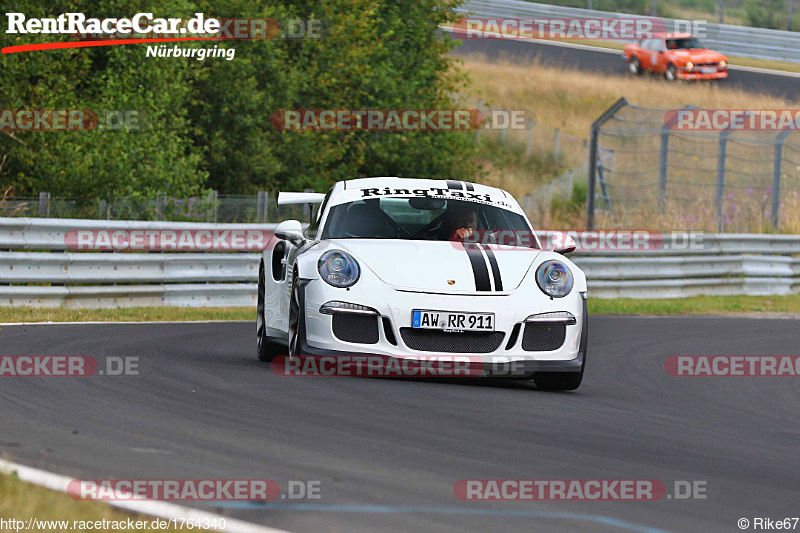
x: 678, y: 56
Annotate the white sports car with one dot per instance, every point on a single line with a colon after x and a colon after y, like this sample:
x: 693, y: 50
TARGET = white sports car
x: 411, y: 267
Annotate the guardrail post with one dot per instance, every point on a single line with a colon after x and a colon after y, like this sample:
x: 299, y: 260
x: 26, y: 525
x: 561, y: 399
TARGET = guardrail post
x: 529, y: 141
x: 478, y: 130
x: 44, y: 204
x: 776, y: 175
x: 593, y: 159
x: 722, y: 156
x: 161, y: 206
x: 261, y: 207
x: 557, y: 144
x: 663, y: 163
x: 215, y: 194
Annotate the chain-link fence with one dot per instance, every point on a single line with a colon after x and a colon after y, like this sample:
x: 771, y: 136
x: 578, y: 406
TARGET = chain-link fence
x: 209, y: 208
x: 646, y: 170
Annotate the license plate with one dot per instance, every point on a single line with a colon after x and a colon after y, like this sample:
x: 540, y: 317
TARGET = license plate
x: 708, y: 70
x: 452, y: 321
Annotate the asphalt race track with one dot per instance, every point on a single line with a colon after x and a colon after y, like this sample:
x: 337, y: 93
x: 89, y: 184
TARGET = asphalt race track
x: 610, y: 62
x: 387, y: 452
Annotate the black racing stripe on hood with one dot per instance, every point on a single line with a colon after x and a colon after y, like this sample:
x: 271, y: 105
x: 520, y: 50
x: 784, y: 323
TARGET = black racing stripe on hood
x: 498, y: 280
x: 454, y: 185
x: 479, y: 270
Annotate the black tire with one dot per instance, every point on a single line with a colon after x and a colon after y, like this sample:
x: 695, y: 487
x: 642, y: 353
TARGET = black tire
x: 266, y: 350
x: 555, y: 381
x: 671, y: 73
x: 635, y: 66
x: 297, y: 318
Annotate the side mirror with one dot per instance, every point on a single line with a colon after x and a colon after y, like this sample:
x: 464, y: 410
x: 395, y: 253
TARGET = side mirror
x: 562, y: 243
x: 292, y: 231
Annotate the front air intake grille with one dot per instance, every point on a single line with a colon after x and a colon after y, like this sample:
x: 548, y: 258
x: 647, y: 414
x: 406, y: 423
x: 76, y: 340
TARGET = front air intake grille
x: 543, y: 336
x: 430, y: 340
x: 388, y: 332
x: 356, y: 327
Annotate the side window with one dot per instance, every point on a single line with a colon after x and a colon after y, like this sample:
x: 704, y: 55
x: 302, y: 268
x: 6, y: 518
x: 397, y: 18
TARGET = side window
x: 311, y: 230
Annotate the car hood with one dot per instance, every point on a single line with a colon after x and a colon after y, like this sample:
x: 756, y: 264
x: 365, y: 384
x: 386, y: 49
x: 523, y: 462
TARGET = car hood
x: 440, y: 266
x: 699, y: 55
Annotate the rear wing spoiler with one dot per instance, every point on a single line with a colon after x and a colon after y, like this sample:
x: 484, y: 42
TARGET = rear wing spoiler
x: 287, y: 198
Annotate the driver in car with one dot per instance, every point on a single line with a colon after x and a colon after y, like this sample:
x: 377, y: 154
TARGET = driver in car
x: 461, y: 220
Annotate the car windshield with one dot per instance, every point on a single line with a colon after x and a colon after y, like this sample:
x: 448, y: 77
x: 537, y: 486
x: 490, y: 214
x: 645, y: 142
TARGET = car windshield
x: 427, y: 219
x: 687, y: 43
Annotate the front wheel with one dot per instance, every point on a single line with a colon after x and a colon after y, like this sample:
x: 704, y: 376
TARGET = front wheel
x: 266, y: 350
x: 558, y: 380
x: 297, y: 323
x: 672, y: 73
x: 554, y: 381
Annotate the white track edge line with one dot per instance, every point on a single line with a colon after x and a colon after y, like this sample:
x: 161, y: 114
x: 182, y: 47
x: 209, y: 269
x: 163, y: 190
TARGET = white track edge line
x: 164, y: 510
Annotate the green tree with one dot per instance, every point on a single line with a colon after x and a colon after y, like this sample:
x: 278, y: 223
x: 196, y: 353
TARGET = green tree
x: 99, y: 163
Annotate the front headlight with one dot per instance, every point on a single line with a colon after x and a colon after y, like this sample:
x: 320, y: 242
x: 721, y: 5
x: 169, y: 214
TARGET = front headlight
x: 689, y: 65
x: 554, y: 278
x: 338, y: 268
x: 723, y: 64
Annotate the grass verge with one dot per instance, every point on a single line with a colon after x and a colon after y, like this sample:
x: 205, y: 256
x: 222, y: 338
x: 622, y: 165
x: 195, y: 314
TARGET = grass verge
x: 695, y: 305
x: 571, y: 99
x: 127, y: 314
x: 699, y: 305
x: 22, y: 501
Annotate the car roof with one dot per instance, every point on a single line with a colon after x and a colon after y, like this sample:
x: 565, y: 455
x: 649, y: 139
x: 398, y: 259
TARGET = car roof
x: 351, y: 190
x: 416, y: 183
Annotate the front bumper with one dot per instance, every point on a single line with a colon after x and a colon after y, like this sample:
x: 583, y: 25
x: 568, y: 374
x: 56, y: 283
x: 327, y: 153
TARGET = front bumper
x: 394, y: 310
x: 691, y: 75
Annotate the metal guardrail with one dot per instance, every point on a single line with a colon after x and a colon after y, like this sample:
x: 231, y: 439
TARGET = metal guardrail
x: 742, y: 41
x: 23, y: 233
x: 677, y: 277
x: 717, y: 264
x: 112, y: 296
x: 72, y: 268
